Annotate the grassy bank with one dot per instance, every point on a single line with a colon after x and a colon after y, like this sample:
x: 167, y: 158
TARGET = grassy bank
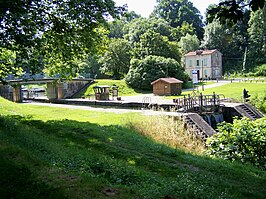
x: 67, y: 153
x: 123, y: 88
x: 233, y: 90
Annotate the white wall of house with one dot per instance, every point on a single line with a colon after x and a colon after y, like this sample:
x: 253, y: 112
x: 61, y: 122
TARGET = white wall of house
x: 209, y: 64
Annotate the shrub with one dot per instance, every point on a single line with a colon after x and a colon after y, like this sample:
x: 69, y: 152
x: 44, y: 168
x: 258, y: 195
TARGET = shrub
x: 260, y: 102
x: 260, y: 70
x: 243, y: 141
x: 143, y: 72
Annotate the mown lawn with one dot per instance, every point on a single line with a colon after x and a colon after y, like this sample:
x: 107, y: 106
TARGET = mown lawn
x: 233, y: 90
x: 123, y: 88
x: 65, y: 153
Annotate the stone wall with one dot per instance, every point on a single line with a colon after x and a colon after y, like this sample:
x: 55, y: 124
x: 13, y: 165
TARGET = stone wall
x: 6, y: 91
x: 71, y: 88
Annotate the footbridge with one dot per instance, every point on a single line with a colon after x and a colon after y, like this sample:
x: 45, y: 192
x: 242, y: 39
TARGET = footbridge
x: 55, y: 88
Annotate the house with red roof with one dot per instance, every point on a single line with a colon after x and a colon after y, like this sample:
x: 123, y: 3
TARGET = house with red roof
x: 207, y: 63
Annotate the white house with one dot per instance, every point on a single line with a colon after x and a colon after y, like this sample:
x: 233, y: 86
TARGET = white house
x: 206, y: 62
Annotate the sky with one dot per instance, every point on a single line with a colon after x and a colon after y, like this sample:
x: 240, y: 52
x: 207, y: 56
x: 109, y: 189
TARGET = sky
x: 145, y: 7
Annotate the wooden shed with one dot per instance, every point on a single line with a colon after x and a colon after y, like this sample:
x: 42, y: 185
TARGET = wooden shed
x: 167, y: 86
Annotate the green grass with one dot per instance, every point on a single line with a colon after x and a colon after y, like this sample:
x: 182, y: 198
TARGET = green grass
x: 232, y: 90
x: 235, y: 90
x: 67, y: 153
x: 190, y: 84
x: 123, y: 88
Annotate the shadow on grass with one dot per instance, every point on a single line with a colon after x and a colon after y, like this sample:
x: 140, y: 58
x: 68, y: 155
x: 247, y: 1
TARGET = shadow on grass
x: 18, y: 181
x: 121, y: 157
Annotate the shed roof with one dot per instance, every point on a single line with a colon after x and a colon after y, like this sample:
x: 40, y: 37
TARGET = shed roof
x: 169, y: 80
x: 204, y: 52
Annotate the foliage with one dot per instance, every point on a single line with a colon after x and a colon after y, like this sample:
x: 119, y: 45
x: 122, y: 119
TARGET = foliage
x: 118, y: 28
x: 260, y: 101
x: 188, y: 43
x: 7, y: 63
x: 260, y: 70
x: 139, y: 26
x: 143, y: 72
x: 90, y: 67
x: 243, y: 141
x: 176, y: 12
x: 72, y: 153
x: 152, y: 43
x: 53, y: 34
x: 214, y: 36
x: 257, y: 41
x: 116, y: 60
x: 230, y: 41
x: 231, y: 11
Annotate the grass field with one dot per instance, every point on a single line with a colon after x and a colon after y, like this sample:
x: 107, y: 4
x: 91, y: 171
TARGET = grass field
x: 233, y: 90
x: 123, y: 89
x: 65, y: 153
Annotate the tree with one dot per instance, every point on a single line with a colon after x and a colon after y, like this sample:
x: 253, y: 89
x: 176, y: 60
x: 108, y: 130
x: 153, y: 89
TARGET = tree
x: 118, y: 28
x: 231, y: 11
x: 143, y: 72
x: 257, y: 38
x: 116, y: 60
x: 189, y: 43
x: 152, y: 43
x: 178, y: 11
x: 243, y: 141
x: 139, y: 26
x: 51, y: 30
x: 214, y: 36
x: 230, y: 41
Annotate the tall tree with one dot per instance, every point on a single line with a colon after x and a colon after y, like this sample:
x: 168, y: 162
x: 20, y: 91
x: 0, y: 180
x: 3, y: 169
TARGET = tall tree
x: 214, y: 36
x: 116, y: 60
x: 189, y: 43
x: 257, y: 38
x: 152, y: 43
x: 118, y: 28
x: 53, y: 30
x: 230, y: 41
x: 231, y: 11
x: 178, y: 11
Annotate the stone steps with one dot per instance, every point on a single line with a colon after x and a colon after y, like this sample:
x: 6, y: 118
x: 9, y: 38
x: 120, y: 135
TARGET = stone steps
x: 198, y: 125
x: 248, y: 111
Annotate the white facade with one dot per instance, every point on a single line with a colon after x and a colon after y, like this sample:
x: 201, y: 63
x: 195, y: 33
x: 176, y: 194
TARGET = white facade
x: 207, y: 63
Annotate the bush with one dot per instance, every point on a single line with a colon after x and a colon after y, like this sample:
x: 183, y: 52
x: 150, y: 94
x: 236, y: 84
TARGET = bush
x: 143, y: 72
x: 243, y: 141
x: 260, y: 102
x: 260, y: 70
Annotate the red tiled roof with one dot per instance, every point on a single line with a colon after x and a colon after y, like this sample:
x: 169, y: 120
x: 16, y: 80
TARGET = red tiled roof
x: 169, y: 80
x: 204, y: 52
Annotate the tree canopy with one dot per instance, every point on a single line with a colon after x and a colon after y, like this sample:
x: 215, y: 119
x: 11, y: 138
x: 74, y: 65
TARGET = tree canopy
x: 53, y: 32
x: 231, y: 11
x: 178, y: 11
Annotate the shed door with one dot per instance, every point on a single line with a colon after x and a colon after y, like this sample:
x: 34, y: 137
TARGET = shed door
x: 166, y: 88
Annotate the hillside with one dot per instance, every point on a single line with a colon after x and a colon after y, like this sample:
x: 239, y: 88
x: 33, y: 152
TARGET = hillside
x: 66, y: 153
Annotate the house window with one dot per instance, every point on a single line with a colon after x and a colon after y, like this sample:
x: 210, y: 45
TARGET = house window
x: 205, y: 73
x: 205, y: 60
x: 190, y: 63
x: 217, y: 72
x: 197, y: 62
